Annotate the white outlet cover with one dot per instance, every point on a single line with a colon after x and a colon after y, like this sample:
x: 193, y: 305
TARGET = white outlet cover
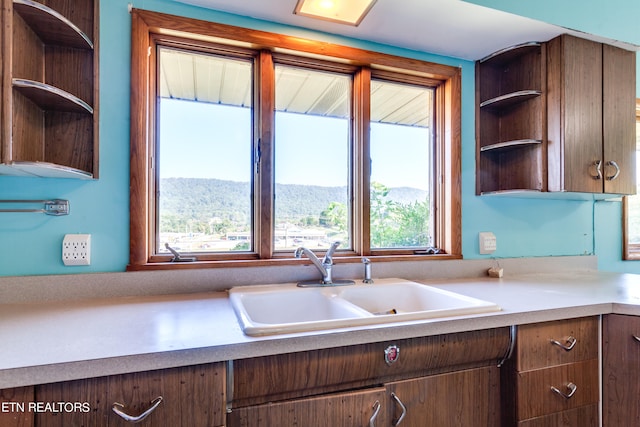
x: 76, y: 249
x: 488, y: 243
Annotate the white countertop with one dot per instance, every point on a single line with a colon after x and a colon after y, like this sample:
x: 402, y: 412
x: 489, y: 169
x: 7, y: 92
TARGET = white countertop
x: 56, y: 341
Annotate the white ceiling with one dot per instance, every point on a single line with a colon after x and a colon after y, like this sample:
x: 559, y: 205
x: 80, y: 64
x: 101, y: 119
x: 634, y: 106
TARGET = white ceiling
x: 448, y: 27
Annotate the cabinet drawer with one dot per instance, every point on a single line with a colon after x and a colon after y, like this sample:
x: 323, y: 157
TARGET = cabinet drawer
x: 535, y: 394
x: 536, y: 347
x: 585, y: 416
x: 293, y: 375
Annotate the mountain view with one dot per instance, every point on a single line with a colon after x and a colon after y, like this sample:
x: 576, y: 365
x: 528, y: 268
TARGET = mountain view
x: 195, y: 212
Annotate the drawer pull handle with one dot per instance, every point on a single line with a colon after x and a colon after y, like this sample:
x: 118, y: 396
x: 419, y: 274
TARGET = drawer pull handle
x: 154, y: 404
x: 572, y: 390
x: 404, y: 410
x: 635, y: 337
x: 376, y: 411
x: 567, y: 345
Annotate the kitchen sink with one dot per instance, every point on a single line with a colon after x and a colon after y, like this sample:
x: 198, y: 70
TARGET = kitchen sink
x: 277, y: 309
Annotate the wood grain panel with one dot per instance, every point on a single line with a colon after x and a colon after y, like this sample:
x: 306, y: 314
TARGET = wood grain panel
x: 192, y: 396
x: 458, y: 399
x: 620, y: 371
x: 585, y: 416
x: 574, y: 104
x: 69, y: 140
x: 535, y: 349
x: 337, y: 410
x: 27, y: 123
x: 14, y: 411
x: 278, y: 377
x: 535, y: 397
x: 619, y: 121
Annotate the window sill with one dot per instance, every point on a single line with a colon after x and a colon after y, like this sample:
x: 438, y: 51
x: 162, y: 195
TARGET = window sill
x: 281, y: 262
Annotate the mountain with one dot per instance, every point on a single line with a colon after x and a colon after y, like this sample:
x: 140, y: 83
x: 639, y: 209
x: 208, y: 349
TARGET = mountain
x: 205, y: 198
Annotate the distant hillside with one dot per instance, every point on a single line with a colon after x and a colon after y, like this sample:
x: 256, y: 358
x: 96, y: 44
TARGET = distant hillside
x: 205, y: 198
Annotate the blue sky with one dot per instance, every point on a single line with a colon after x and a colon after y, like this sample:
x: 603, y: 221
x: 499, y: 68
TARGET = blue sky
x: 310, y: 150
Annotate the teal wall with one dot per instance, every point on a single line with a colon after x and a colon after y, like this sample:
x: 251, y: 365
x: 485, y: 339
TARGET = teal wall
x: 30, y: 243
x: 615, y: 20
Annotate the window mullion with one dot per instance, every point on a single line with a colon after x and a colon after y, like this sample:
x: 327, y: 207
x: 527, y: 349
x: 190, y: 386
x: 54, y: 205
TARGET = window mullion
x: 263, y: 171
x: 361, y: 161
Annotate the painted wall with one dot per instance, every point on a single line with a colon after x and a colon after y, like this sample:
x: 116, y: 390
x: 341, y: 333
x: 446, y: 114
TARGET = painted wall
x: 620, y: 20
x: 30, y: 244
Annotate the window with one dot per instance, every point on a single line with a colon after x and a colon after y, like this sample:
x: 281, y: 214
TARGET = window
x: 246, y: 145
x: 631, y: 206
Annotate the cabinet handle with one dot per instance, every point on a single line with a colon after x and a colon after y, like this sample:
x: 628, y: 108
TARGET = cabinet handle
x: 567, y: 345
x: 376, y: 411
x: 572, y: 390
x: 615, y: 165
x: 404, y: 409
x: 635, y: 337
x: 598, y: 165
x: 154, y: 404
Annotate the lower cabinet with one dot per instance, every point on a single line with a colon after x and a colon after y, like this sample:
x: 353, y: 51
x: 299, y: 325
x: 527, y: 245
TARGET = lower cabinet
x: 620, y: 370
x: 448, y: 380
x: 178, y: 397
x: 458, y: 399
x: 553, y: 378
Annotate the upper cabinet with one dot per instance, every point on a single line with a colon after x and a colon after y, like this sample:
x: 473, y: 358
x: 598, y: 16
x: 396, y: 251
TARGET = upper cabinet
x: 49, y: 123
x: 556, y: 117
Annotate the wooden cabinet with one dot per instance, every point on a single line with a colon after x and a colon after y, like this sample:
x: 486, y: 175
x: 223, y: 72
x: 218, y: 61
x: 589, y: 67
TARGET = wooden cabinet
x: 591, y: 116
x: 458, y: 399
x: 553, y: 377
x: 511, y: 93
x: 13, y: 409
x: 49, y: 116
x: 557, y: 116
x: 451, y: 379
x: 190, y: 396
x: 620, y: 370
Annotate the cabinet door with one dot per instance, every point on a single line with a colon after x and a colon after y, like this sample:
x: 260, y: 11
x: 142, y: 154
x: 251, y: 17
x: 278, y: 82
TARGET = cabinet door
x: 619, y: 100
x: 620, y: 371
x: 14, y: 410
x: 574, y: 114
x: 353, y: 409
x: 458, y: 399
x: 191, y: 396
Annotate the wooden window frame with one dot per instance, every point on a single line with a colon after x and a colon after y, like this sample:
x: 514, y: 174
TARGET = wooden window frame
x: 630, y: 252
x: 148, y: 27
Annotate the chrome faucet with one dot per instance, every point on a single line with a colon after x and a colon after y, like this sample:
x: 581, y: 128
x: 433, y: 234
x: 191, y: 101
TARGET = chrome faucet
x: 324, y: 266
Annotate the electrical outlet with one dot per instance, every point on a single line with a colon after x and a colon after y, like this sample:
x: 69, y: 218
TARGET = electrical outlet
x: 76, y: 249
x: 488, y: 242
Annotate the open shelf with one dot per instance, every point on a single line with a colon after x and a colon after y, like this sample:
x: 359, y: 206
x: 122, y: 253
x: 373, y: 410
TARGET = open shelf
x: 510, y: 144
x: 50, y: 26
x: 510, y: 98
x: 50, y: 97
x: 510, y: 53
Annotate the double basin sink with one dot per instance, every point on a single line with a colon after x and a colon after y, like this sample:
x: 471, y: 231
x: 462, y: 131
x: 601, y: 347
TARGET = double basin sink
x: 279, y: 309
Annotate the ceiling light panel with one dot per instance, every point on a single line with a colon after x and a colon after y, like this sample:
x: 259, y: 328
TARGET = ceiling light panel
x: 342, y: 11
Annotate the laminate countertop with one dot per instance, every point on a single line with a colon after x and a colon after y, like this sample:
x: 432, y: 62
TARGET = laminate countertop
x: 46, y: 342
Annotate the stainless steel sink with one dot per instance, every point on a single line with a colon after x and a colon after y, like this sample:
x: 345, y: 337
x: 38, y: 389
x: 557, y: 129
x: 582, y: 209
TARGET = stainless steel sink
x: 277, y: 309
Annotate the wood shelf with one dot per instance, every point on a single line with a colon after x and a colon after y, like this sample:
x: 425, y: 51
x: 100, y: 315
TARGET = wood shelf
x: 510, y: 144
x: 50, y: 26
x: 510, y: 98
x: 49, y: 170
x: 510, y: 53
x: 50, y: 97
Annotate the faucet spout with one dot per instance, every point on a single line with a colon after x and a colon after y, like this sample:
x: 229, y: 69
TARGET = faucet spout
x: 324, y: 266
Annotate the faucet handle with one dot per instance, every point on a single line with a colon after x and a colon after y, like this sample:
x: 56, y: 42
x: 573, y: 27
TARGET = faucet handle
x: 328, y: 256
